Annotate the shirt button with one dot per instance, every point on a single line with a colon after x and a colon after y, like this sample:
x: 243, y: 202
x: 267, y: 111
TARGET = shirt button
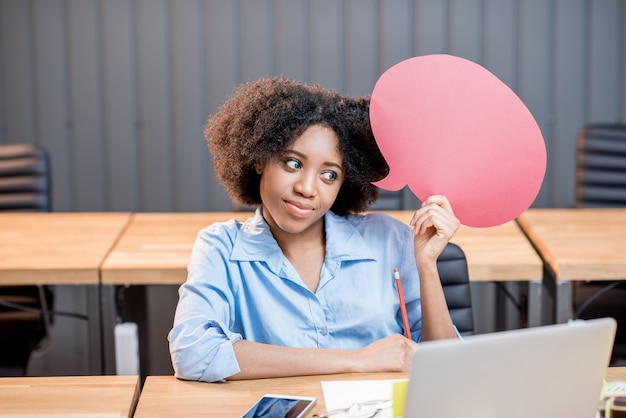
x: 324, y: 331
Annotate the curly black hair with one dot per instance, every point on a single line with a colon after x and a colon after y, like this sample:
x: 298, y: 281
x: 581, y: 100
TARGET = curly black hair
x: 263, y: 118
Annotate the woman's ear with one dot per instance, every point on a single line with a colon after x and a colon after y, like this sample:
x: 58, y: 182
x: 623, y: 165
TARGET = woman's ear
x: 259, y: 168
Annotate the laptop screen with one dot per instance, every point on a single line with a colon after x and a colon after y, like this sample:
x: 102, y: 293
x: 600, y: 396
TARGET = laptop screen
x: 549, y: 371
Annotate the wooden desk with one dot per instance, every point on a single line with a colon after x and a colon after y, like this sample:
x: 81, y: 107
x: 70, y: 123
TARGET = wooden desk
x: 61, y: 249
x: 577, y: 244
x: 167, y: 396
x: 97, y: 396
x: 56, y: 248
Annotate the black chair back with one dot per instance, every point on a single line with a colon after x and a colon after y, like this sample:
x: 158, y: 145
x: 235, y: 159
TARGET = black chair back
x: 601, y: 166
x: 24, y: 187
x: 24, y: 178
x: 454, y: 275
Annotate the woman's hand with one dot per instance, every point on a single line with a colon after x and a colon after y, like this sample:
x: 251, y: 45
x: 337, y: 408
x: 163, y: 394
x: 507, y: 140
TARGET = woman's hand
x: 433, y: 226
x: 389, y: 354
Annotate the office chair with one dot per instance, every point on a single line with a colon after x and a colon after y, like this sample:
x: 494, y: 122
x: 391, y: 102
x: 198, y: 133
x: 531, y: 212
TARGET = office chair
x: 601, y: 183
x: 24, y: 187
x: 601, y: 166
x: 454, y: 275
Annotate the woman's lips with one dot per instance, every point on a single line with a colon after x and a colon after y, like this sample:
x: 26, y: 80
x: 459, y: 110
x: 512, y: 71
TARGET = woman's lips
x: 299, y: 209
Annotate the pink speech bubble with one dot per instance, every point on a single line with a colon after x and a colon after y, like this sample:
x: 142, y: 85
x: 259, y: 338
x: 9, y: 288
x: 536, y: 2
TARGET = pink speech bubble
x: 448, y: 126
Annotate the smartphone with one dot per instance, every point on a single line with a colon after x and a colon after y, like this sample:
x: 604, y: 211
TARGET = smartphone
x: 280, y: 406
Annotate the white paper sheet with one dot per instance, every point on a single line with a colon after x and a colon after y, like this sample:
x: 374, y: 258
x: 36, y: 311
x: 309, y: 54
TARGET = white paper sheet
x: 340, y: 394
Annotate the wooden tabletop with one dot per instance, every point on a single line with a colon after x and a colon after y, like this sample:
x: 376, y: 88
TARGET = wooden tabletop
x: 155, y: 249
x: 579, y: 244
x: 56, y: 248
x: 164, y: 396
x: 69, y: 396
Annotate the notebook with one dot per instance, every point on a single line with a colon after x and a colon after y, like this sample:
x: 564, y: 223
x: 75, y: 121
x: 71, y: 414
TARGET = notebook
x: 549, y: 371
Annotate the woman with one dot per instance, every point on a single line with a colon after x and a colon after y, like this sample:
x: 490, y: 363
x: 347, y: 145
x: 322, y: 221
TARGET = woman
x: 306, y: 285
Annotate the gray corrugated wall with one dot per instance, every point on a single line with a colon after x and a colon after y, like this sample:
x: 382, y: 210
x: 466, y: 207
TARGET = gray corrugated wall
x: 118, y: 90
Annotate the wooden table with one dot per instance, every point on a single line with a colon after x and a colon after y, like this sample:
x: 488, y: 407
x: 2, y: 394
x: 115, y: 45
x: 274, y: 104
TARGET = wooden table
x: 577, y: 244
x: 155, y: 248
x: 69, y: 396
x: 56, y: 248
x: 61, y: 249
x: 164, y: 396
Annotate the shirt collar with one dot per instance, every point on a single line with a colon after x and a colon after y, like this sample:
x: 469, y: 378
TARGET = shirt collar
x: 344, y: 241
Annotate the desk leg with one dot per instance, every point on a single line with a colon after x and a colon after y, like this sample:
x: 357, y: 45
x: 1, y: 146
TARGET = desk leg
x: 94, y: 335
x: 109, y: 319
x: 535, y: 309
x: 563, y: 301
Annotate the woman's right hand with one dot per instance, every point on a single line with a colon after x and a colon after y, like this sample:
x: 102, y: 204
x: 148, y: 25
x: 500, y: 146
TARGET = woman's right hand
x: 389, y: 354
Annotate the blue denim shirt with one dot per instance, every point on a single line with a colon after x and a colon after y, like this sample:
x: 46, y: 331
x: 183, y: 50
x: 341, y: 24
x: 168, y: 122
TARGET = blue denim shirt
x: 240, y: 285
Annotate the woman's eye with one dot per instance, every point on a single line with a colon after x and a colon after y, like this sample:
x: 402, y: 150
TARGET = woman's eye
x: 293, y: 164
x: 329, y: 175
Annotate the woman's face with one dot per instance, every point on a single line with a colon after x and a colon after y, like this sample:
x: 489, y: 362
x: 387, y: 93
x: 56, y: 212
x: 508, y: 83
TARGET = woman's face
x: 301, y: 184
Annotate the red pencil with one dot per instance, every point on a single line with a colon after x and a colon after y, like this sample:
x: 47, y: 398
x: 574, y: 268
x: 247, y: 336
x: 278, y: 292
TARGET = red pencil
x: 405, y: 317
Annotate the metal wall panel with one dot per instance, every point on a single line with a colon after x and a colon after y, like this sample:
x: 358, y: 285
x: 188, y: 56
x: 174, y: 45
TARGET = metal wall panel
x: 291, y: 37
x: 223, y: 72
x: 118, y: 90
x: 605, y: 56
x: 534, y: 70
x: 50, y: 109
x: 326, y: 40
x: 18, y: 119
x: 361, y: 47
x: 84, y: 95
x: 569, y: 74
x: 119, y: 106
x: 190, y: 155
x: 396, y: 38
x: 154, y: 99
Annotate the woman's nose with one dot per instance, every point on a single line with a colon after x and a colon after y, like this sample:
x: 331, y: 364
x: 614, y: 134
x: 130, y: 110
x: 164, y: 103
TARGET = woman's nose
x: 306, y: 184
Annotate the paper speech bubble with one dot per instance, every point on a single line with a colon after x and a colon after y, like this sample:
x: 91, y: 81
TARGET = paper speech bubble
x: 448, y: 126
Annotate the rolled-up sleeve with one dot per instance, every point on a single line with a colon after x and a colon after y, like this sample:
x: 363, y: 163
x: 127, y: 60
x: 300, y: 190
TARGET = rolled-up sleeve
x: 203, y: 353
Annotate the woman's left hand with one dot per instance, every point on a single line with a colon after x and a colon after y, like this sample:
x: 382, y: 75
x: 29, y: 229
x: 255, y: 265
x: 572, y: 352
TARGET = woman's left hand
x: 433, y: 225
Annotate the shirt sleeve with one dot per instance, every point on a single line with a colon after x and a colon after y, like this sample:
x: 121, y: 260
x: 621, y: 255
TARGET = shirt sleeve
x: 201, y: 343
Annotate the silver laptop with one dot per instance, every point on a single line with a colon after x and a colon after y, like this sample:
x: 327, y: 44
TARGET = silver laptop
x: 549, y: 371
